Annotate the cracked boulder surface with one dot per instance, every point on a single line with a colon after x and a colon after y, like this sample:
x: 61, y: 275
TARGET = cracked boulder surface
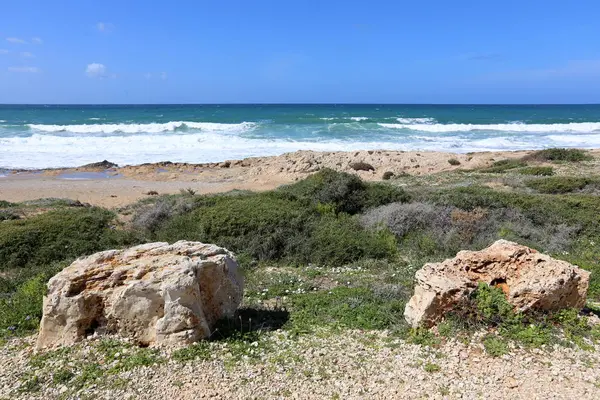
x: 529, y: 279
x: 156, y: 293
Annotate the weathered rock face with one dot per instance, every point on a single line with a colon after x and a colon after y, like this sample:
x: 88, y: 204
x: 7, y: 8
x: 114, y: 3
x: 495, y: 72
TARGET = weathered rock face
x: 154, y: 293
x: 529, y: 279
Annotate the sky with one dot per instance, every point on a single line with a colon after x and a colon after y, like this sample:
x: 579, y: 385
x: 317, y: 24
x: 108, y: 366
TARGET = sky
x: 311, y: 51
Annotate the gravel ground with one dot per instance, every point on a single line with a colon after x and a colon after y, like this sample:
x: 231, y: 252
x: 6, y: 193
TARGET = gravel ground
x: 324, y: 365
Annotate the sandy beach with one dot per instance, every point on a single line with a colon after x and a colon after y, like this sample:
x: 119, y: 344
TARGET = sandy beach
x: 118, y: 186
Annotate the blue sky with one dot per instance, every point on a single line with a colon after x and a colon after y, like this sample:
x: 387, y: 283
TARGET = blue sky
x: 130, y: 51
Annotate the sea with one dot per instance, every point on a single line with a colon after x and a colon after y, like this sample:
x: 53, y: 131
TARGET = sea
x: 48, y: 136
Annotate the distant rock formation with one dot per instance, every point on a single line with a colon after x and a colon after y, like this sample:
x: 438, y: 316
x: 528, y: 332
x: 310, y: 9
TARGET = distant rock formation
x: 529, y: 279
x: 153, y: 294
x: 105, y: 164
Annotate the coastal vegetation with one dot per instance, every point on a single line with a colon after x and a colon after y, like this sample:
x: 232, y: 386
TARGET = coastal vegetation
x: 331, y: 251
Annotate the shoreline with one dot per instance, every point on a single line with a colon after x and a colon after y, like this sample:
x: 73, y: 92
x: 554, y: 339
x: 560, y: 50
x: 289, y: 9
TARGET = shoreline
x: 105, y: 184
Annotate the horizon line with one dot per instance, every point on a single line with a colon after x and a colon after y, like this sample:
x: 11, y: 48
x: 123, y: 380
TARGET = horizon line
x: 298, y: 104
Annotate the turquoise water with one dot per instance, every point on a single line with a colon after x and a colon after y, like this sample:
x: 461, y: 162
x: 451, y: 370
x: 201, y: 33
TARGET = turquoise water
x: 59, y: 136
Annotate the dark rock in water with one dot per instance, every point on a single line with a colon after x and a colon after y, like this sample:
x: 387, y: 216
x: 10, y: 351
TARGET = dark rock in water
x: 102, y: 165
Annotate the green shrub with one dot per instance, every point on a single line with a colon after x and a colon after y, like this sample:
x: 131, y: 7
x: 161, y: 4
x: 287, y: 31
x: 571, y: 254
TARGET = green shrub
x: 387, y: 175
x: 568, y: 155
x: 57, y: 235
x: 347, y: 192
x: 453, y: 161
x: 503, y: 166
x: 558, y: 184
x: 537, y: 171
x: 7, y: 215
x: 269, y: 227
x: 362, y: 166
x: 262, y: 225
x: 495, y: 346
x: 339, y: 240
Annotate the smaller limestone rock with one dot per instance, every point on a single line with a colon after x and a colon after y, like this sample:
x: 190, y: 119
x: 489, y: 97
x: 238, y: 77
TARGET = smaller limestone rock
x: 529, y: 279
x: 155, y: 293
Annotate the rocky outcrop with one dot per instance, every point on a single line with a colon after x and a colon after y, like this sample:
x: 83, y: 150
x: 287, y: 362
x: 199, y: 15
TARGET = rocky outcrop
x: 529, y: 279
x: 154, y: 294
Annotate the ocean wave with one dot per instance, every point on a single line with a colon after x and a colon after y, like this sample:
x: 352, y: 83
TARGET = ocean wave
x: 573, y: 127
x: 47, y: 150
x: 355, y: 119
x: 145, y: 128
x: 403, y: 120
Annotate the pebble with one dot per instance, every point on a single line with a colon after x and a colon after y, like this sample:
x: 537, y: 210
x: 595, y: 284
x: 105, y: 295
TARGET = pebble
x: 332, y: 365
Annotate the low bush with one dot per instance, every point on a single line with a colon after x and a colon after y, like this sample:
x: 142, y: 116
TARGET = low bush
x: 387, y: 175
x: 346, y: 192
x: 269, y: 227
x: 537, y: 171
x: 362, y: 166
x: 6, y: 215
x: 57, y: 235
x: 442, y: 230
x: 339, y: 240
x: 558, y: 184
x: 453, y: 161
x: 503, y: 166
x: 555, y: 154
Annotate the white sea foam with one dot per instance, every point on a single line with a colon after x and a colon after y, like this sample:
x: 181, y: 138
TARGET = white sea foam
x: 358, y: 119
x: 144, y: 128
x: 46, y: 150
x: 574, y: 127
x: 415, y: 120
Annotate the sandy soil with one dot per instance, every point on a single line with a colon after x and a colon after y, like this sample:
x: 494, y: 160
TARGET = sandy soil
x: 119, y: 186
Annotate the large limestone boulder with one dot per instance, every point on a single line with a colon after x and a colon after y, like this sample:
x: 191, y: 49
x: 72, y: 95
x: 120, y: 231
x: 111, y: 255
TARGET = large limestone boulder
x: 154, y: 294
x: 529, y: 279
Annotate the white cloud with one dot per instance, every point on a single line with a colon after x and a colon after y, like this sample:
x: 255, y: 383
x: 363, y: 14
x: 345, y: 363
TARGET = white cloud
x: 32, y: 70
x: 148, y: 75
x: 37, y: 40
x: 95, y: 70
x: 27, y: 54
x: 3, y: 51
x: 163, y: 76
x: 15, y: 40
x: 105, y: 27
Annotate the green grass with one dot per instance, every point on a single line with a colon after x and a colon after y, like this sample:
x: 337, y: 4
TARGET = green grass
x: 431, y: 367
x: 343, y: 307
